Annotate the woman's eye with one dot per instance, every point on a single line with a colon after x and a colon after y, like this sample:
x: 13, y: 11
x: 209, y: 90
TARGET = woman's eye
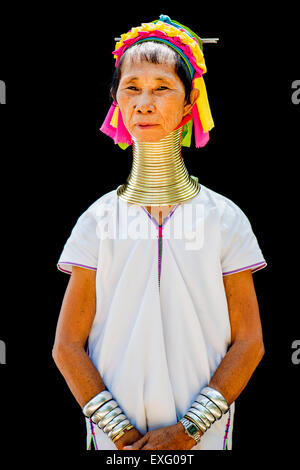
x: 132, y: 88
x: 161, y: 88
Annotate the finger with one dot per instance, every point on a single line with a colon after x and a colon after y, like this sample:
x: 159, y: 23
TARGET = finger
x: 149, y: 447
x: 137, y: 444
x: 152, y: 446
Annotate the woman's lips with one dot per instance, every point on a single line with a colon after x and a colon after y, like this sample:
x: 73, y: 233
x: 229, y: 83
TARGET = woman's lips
x: 145, y: 125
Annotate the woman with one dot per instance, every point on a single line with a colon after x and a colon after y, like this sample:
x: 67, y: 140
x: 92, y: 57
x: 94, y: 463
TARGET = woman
x: 161, y: 269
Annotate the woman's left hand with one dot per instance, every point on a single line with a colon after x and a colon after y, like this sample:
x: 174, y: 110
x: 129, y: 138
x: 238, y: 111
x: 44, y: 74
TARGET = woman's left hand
x: 169, y: 438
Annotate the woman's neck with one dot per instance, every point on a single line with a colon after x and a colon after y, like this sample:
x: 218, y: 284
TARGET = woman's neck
x: 158, y: 175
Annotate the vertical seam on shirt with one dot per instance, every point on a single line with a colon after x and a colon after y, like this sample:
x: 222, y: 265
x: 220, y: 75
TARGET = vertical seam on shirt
x: 160, y: 236
x: 160, y: 240
x: 225, y: 441
x: 93, y: 434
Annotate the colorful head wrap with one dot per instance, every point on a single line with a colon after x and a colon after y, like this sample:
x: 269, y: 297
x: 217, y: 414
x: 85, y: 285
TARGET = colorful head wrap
x: 189, y: 46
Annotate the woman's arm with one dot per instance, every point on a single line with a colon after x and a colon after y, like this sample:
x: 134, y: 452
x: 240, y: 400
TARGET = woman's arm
x: 237, y: 366
x: 73, y: 328
x: 247, y: 348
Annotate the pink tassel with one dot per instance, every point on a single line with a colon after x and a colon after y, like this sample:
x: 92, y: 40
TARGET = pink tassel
x: 201, y: 138
x: 119, y: 134
x: 106, y: 127
x: 122, y: 135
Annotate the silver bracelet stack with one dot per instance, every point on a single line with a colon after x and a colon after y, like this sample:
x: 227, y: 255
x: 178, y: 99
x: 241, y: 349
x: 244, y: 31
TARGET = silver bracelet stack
x: 209, y: 406
x: 104, y: 411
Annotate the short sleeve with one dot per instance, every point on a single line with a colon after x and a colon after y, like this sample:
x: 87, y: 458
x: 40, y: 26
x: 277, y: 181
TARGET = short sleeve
x: 240, y: 249
x: 82, y: 247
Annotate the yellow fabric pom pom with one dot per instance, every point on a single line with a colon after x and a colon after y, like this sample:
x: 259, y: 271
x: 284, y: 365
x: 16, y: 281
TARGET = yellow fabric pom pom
x: 203, y: 105
x: 114, y: 119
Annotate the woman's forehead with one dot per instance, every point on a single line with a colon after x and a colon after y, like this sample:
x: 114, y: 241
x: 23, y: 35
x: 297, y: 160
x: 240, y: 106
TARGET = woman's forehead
x: 153, y: 52
x: 135, y: 70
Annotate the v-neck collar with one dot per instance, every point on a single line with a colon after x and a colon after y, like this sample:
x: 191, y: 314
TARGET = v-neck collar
x: 169, y: 216
x: 165, y: 220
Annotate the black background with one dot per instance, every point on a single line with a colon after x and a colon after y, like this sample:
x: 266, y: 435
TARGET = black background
x: 57, y: 66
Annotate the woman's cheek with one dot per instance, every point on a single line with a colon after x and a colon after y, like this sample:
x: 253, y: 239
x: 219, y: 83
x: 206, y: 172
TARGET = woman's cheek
x: 125, y: 111
x: 172, y: 111
x: 172, y: 118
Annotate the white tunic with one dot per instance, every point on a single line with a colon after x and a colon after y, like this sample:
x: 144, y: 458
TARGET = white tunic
x: 162, y: 325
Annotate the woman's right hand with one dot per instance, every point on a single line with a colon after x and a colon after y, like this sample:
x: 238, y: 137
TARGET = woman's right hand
x: 128, y: 438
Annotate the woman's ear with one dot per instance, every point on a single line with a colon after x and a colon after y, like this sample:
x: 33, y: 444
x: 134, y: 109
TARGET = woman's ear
x: 193, y: 98
x: 112, y: 95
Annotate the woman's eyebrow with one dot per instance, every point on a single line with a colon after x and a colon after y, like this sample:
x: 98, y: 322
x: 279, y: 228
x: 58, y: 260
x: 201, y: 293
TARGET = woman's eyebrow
x: 163, y: 79
x: 159, y: 79
x: 130, y: 79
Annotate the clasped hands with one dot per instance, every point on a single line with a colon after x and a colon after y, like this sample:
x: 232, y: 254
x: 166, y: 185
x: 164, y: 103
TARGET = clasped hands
x: 171, y: 437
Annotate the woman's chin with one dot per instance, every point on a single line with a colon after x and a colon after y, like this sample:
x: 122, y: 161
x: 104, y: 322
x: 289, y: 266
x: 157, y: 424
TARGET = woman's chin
x: 149, y: 135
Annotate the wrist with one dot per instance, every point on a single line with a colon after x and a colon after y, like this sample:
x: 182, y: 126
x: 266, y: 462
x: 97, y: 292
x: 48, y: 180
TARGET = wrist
x: 130, y: 436
x: 189, y: 434
x: 104, y: 411
x: 208, y: 407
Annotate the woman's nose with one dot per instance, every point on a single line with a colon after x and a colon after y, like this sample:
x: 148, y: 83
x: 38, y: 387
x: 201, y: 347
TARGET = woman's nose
x: 144, y: 106
x: 145, y: 109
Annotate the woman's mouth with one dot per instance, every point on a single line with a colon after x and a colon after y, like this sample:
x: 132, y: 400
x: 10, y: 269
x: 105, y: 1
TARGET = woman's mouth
x: 145, y: 125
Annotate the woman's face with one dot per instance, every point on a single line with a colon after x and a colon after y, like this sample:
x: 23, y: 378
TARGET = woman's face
x: 151, y: 98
